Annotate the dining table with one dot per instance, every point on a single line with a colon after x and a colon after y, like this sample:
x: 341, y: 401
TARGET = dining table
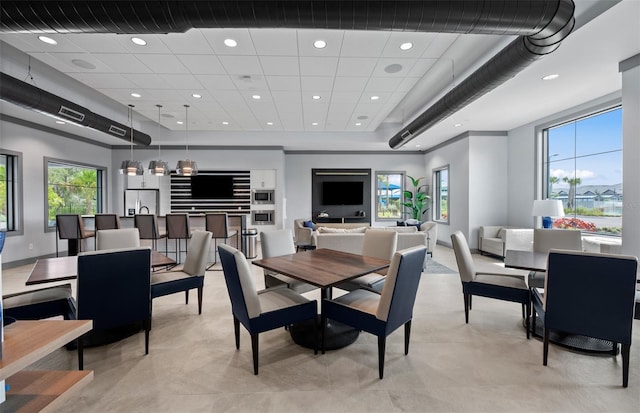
x: 325, y: 269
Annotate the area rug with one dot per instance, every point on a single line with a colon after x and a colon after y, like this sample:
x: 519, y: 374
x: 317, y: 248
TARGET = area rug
x: 434, y: 267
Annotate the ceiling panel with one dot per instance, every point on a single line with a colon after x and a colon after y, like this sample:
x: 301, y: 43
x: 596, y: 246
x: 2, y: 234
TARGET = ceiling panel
x: 123, y: 63
x: 202, y: 64
x: 274, y: 42
x: 280, y: 65
x: 241, y: 65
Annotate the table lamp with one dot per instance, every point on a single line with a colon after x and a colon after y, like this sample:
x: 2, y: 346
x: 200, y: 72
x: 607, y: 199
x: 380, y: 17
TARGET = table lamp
x: 547, y: 208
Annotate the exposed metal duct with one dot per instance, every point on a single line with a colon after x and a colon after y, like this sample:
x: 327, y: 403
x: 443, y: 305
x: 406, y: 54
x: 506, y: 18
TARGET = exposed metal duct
x: 541, y: 25
x: 31, y: 97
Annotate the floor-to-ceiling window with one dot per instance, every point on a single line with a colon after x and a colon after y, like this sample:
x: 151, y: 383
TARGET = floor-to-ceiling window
x: 389, y: 190
x: 583, y: 169
x: 441, y: 194
x: 9, y: 191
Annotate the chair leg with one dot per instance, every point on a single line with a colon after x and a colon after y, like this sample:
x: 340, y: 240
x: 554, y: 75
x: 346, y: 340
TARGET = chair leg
x: 200, y: 289
x: 236, y: 329
x: 382, y: 341
x: 80, y: 353
x: 315, y: 335
x: 527, y: 318
x: 467, y: 301
x: 545, y: 346
x: 614, y: 349
x: 625, y: 364
x: 470, y: 301
x: 147, y: 328
x: 522, y: 310
x: 323, y: 321
x: 407, y: 335
x: 254, y: 350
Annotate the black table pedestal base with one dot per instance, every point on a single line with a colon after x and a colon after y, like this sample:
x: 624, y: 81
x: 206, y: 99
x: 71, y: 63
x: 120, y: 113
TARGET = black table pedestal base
x: 96, y: 338
x: 576, y: 342
x: 337, y: 335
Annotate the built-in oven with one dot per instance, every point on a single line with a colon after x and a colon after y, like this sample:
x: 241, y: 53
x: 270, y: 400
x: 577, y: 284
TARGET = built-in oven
x: 262, y: 196
x: 263, y: 217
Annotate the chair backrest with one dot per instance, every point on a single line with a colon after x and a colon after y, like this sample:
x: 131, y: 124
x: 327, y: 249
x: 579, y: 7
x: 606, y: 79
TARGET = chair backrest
x: 108, y: 239
x: 177, y: 226
x: 591, y: 294
x: 147, y: 224
x: 277, y: 242
x: 400, y: 287
x: 379, y: 244
x: 238, y: 277
x: 562, y: 239
x: 107, y: 221
x: 69, y: 226
x: 114, y: 287
x: 466, y: 268
x: 217, y: 224
x: 198, y: 253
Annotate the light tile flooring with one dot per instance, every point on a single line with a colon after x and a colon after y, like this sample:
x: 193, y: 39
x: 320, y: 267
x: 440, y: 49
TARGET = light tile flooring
x: 486, y: 365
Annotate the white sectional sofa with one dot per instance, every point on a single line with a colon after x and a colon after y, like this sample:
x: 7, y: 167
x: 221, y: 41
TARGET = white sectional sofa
x: 496, y: 240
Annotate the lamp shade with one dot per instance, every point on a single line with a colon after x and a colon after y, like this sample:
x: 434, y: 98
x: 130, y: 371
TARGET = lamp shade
x: 131, y: 168
x: 187, y: 167
x: 547, y: 208
x: 158, y: 168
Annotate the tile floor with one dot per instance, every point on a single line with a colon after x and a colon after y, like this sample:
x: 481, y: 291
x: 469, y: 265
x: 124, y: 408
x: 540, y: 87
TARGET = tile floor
x: 486, y: 365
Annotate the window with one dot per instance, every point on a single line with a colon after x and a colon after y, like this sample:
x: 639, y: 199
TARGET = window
x: 441, y: 194
x: 389, y: 190
x: 9, y: 190
x: 583, y: 169
x: 73, y: 189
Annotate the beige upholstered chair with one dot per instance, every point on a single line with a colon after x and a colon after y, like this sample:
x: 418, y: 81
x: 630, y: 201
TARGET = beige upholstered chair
x: 147, y: 224
x: 218, y: 225
x: 303, y: 235
x: 431, y: 228
x: 544, y: 240
x: 107, y: 239
x: 276, y: 243
x: 107, y: 221
x: 71, y: 228
x: 377, y: 244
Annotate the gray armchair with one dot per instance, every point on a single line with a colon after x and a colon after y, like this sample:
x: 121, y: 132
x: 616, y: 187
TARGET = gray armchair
x: 302, y: 234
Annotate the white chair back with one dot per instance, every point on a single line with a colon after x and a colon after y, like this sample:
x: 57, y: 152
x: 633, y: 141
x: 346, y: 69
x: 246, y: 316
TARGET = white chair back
x: 107, y: 239
x: 245, y: 277
x: 198, y: 254
x: 276, y: 243
x: 380, y: 244
x: 464, y: 260
x: 563, y: 239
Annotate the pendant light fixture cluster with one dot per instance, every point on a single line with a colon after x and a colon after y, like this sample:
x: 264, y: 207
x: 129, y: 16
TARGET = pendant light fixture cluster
x: 159, y: 167
x: 131, y: 167
x: 186, y: 167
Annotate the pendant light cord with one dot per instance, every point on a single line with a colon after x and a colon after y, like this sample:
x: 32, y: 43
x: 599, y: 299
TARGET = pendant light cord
x: 131, y: 120
x: 186, y: 128
x: 159, y: 150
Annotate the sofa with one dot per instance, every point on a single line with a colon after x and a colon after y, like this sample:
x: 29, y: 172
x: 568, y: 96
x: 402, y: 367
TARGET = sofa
x: 304, y: 234
x: 496, y: 240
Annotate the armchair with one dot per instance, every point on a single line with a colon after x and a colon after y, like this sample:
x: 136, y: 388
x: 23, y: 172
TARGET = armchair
x: 431, y: 228
x: 38, y: 304
x: 303, y: 235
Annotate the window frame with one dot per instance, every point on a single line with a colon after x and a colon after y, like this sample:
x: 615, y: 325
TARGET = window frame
x: 101, y: 195
x: 15, y: 195
x: 436, y: 196
x: 403, y: 176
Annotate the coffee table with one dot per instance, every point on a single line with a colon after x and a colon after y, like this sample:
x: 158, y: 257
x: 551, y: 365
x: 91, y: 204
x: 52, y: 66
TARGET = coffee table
x: 325, y: 269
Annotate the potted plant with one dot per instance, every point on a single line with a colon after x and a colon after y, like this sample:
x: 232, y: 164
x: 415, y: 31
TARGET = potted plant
x: 416, y: 199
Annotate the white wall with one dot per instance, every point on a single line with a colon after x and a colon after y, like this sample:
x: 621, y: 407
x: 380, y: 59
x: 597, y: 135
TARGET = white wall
x: 630, y: 164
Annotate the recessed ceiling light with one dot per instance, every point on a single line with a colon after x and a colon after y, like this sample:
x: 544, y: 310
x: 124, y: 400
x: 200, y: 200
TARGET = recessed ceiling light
x: 179, y: 122
x: 457, y: 125
x: 138, y: 41
x: 225, y: 123
x: 358, y: 123
x: 314, y: 124
x: 551, y: 77
x: 59, y: 122
x: 269, y: 123
x: 197, y: 96
x: 406, y: 46
x: 417, y: 146
x: 319, y: 44
x: 256, y: 97
x: 374, y: 97
x: 230, y: 43
x: 315, y: 97
x: 136, y: 95
x: 47, y: 40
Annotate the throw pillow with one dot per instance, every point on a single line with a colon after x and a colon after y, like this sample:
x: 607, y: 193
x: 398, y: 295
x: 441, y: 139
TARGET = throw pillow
x: 309, y: 224
x: 401, y: 224
x: 501, y: 233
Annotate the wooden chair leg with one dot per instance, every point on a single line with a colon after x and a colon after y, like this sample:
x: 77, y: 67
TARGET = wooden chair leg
x: 236, y: 329
x: 254, y: 350
x: 625, y: 364
x: 407, y: 335
x: 545, y: 347
x: 382, y: 341
x: 467, y: 302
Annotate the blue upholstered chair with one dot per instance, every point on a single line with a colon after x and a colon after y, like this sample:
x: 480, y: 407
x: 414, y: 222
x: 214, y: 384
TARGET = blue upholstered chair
x: 381, y: 314
x: 491, y: 285
x: 589, y: 294
x: 114, y: 290
x: 260, y: 311
x: 38, y: 304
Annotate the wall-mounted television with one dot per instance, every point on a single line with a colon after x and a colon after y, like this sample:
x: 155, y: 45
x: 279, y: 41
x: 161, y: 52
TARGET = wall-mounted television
x: 342, y: 192
x: 211, y: 187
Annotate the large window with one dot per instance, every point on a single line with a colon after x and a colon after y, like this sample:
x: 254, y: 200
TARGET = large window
x: 583, y: 169
x: 9, y: 190
x: 73, y: 189
x: 389, y: 190
x: 441, y: 194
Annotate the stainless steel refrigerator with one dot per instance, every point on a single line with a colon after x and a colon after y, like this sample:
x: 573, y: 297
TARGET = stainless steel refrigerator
x: 141, y: 201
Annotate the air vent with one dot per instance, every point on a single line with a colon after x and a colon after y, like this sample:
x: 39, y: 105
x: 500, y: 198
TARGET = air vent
x: 71, y: 114
x: 117, y: 131
x: 406, y: 134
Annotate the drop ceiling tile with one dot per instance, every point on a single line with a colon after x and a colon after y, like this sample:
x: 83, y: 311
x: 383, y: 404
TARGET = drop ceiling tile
x: 277, y: 83
x: 364, y: 43
x: 232, y: 101
x: 61, y: 64
x: 348, y: 66
x: 274, y: 42
x: 97, y: 42
x: 440, y: 44
x: 216, y: 37
x: 186, y: 82
x: 421, y: 67
x: 77, y: 62
x: 333, y: 38
x: 287, y: 101
x: 106, y: 81
x: 350, y: 84
x: 216, y: 82
x: 29, y: 42
x: 316, y: 83
x: 163, y: 63
x: 154, y: 44
x: 241, y: 65
x: 318, y: 66
x: 383, y: 84
x: 280, y: 65
x: 202, y: 64
x: 406, y: 64
x: 147, y: 81
x: 407, y: 84
x: 344, y: 99
x: 122, y: 63
x: 191, y: 42
x: 250, y: 82
x: 420, y: 41
x: 292, y: 121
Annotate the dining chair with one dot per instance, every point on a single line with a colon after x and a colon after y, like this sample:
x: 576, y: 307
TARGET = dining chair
x: 544, y: 240
x: 147, y: 224
x: 188, y: 276
x: 107, y: 221
x: 273, y: 244
x: 589, y: 294
x: 381, y: 314
x: 107, y: 239
x: 501, y: 286
x: 260, y: 311
x: 218, y: 225
x: 71, y: 228
x: 377, y: 244
x: 40, y: 303
x: 114, y: 290
x: 177, y: 229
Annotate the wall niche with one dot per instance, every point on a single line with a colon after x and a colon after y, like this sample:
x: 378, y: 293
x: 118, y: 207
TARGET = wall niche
x: 341, y: 195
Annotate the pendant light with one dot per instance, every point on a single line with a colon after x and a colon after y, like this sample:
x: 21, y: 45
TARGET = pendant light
x: 159, y: 167
x: 186, y: 167
x: 131, y: 167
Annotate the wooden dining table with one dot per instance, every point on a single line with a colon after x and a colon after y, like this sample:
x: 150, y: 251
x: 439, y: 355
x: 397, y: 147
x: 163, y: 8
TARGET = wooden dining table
x: 324, y: 268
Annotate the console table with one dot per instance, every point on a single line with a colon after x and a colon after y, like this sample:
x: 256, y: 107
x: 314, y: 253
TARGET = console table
x: 342, y: 220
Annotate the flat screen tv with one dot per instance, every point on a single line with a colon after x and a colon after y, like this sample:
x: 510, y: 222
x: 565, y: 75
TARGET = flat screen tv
x: 342, y: 193
x: 211, y: 187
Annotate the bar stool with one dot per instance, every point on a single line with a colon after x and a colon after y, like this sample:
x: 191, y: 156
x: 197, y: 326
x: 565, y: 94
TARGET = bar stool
x: 218, y: 225
x: 177, y: 229
x: 147, y: 224
x: 107, y: 221
x: 71, y: 228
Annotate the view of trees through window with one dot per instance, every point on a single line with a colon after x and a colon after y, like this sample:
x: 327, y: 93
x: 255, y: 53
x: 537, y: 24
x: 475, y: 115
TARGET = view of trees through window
x: 72, y: 189
x: 389, y: 189
x: 441, y: 194
x: 584, y: 170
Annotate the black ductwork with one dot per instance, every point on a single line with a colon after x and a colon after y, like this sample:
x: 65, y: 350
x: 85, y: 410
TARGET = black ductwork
x: 31, y: 97
x: 541, y: 25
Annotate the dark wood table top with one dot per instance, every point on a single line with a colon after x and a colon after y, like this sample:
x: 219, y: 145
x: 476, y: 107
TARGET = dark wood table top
x: 322, y: 267
x: 526, y: 260
x: 66, y: 268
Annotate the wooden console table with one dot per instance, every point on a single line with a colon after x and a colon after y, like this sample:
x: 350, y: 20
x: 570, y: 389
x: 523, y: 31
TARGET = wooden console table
x: 26, y: 342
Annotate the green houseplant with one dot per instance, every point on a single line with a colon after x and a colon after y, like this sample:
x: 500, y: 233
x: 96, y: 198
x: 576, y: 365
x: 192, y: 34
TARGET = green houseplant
x: 416, y: 199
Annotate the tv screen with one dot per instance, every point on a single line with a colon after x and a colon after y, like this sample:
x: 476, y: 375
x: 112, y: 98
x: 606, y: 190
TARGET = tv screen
x: 211, y: 187
x: 342, y: 193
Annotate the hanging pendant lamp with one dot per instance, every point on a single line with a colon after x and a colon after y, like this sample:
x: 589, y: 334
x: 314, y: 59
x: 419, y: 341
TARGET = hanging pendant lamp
x: 131, y: 167
x: 159, y: 167
x: 186, y: 167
